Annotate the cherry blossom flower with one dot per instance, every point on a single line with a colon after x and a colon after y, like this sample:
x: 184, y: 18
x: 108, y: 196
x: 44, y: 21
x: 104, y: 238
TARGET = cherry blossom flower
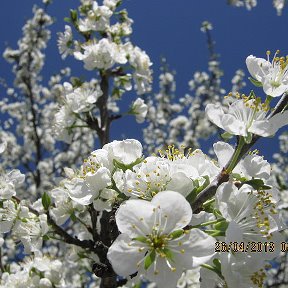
x: 153, y: 241
x: 251, y: 214
x: 272, y: 75
x: 65, y: 41
x: 140, y: 109
x: 246, y: 116
x: 251, y: 166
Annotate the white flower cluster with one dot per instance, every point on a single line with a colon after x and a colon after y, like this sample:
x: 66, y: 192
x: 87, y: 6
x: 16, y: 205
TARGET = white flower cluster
x: 160, y: 238
x: 105, y: 48
x: 249, y: 4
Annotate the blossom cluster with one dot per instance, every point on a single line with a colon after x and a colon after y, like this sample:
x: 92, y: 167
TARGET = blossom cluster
x: 159, y: 232
x: 107, y: 50
x: 124, y: 216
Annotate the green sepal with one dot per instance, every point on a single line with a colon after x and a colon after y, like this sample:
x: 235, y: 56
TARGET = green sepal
x: 141, y: 239
x: 217, y: 264
x: 176, y: 234
x: 221, y: 226
x: 257, y: 184
x: 73, y: 217
x: 168, y: 253
x: 45, y: 237
x: 255, y: 82
x: 149, y: 259
x: 205, y: 184
x: 46, y: 201
x: 125, y: 167
x: 226, y: 136
x: 248, y: 138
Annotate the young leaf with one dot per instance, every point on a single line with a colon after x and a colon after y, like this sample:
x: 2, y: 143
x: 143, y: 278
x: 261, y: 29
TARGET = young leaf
x: 46, y: 201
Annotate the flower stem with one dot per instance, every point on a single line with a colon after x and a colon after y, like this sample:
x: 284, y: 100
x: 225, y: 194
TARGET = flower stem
x: 235, y: 158
x: 209, y: 223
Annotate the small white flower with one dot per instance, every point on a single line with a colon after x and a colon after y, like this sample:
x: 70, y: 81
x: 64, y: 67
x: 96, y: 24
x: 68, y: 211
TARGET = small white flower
x: 31, y: 232
x: 84, y: 191
x: 101, y: 55
x: 64, y: 119
x: 241, y: 270
x: 126, y: 151
x: 82, y: 98
x: 246, y: 116
x: 140, y: 109
x: 97, y: 19
x: 252, y: 166
x: 273, y: 75
x: 3, y: 146
x: 8, y: 183
x: 251, y: 214
x: 65, y: 42
x: 154, y: 242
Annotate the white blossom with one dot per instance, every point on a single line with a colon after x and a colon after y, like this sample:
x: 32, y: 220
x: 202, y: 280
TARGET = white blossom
x: 140, y: 109
x: 246, y: 116
x: 65, y: 41
x: 150, y: 233
x: 273, y: 75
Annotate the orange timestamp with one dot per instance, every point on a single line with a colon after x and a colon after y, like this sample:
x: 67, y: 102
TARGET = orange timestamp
x: 250, y: 246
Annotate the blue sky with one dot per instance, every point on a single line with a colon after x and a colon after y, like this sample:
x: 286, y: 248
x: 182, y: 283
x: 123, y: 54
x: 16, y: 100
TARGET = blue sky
x: 172, y: 29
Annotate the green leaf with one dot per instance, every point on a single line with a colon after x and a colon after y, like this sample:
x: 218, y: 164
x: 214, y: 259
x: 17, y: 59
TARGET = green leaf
x: 149, y: 259
x: 73, y: 217
x: 67, y: 19
x: 73, y: 16
x: 191, y: 196
x: 255, y: 82
x: 138, y: 285
x: 257, y: 184
x: 176, y: 234
x: 46, y: 201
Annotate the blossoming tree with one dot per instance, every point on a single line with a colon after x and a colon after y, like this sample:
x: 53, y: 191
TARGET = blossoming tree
x: 72, y: 215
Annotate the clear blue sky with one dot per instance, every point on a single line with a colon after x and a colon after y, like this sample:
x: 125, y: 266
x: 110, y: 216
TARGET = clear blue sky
x: 172, y: 29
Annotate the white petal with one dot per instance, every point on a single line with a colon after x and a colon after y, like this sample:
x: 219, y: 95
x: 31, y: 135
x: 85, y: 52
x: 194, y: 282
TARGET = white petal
x: 255, y: 166
x: 180, y: 183
x: 135, y: 213
x: 234, y: 233
x: 272, y: 90
x: 79, y: 192
x: 233, y: 125
x: 124, y: 257
x: 215, y: 113
x: 126, y: 151
x: 257, y: 67
x: 99, y: 180
x: 166, y: 278
x: 199, y: 249
x: 224, y: 152
x: 175, y: 207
